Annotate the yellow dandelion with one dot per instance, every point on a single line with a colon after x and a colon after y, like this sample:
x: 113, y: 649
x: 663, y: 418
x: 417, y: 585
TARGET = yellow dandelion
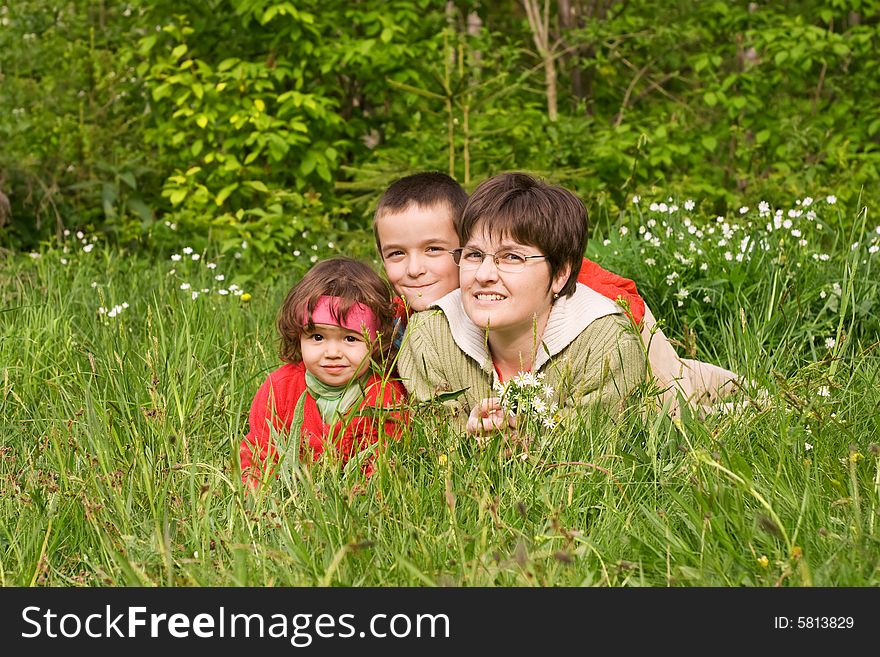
x: 855, y: 457
x: 245, y: 297
x: 442, y: 459
x: 763, y: 561
x: 797, y: 552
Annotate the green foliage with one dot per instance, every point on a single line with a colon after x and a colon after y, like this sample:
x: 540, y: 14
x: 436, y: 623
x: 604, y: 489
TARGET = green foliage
x: 257, y: 104
x: 70, y: 107
x: 259, y: 119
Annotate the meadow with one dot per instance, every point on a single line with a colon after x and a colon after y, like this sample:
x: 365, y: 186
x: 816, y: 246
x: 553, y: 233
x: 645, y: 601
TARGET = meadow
x: 126, y: 377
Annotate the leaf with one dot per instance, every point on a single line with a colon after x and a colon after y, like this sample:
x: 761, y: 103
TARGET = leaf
x: 128, y: 178
x: 307, y: 165
x: 762, y: 136
x: 177, y: 196
x: 224, y: 193
x: 780, y: 57
x: 260, y: 105
x: 450, y: 396
x: 141, y: 209
x: 202, y: 121
x: 387, y: 35
x: 709, y: 143
x: 258, y: 185
x: 415, y: 90
x: 179, y: 51
x: 710, y: 99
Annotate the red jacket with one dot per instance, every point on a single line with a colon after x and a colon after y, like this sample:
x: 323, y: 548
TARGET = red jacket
x: 594, y: 277
x: 612, y: 286
x: 284, y: 387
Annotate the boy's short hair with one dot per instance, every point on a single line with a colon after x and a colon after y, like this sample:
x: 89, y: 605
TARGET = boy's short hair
x: 350, y: 280
x: 548, y: 217
x: 425, y: 189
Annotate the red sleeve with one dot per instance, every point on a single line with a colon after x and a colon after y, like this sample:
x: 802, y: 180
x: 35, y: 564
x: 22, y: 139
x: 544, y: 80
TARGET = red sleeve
x: 612, y: 286
x: 269, y: 409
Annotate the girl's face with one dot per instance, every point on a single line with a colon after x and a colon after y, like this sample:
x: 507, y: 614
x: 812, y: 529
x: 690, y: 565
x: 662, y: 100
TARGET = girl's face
x: 333, y: 354
x: 506, y: 301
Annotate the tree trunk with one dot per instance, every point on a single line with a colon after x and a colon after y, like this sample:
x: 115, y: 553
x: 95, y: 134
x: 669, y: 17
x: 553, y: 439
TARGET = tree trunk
x: 540, y: 27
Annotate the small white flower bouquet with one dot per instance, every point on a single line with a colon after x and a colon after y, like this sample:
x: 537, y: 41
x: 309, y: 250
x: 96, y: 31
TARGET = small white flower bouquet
x: 527, y: 397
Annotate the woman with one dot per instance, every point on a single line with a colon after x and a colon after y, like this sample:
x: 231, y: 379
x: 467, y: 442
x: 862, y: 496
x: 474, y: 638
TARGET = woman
x: 520, y: 309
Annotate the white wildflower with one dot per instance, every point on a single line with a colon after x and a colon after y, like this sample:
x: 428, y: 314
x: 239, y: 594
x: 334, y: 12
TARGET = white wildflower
x: 187, y: 250
x: 88, y: 247
x: 195, y: 295
x: 830, y: 343
x: 744, y: 209
x: 636, y: 198
x: 219, y: 277
x: 222, y: 292
x: 185, y: 286
x: 175, y: 257
x: 624, y: 230
x: 831, y: 199
x: 195, y: 256
x: 823, y: 391
x: 689, y: 205
x: 807, y: 447
x: 211, y: 265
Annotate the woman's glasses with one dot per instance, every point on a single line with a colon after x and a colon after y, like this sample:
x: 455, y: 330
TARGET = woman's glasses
x: 506, y: 261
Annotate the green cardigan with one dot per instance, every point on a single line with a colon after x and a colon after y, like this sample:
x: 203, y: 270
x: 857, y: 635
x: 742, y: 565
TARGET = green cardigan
x: 589, y: 353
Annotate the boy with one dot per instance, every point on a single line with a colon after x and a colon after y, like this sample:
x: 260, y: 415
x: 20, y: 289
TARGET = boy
x: 415, y: 226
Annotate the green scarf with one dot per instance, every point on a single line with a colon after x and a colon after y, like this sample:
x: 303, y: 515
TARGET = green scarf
x: 333, y: 401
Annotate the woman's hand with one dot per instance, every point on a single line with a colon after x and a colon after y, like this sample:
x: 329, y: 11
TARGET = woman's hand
x: 488, y: 416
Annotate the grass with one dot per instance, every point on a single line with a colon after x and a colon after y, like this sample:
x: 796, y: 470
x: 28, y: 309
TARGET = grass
x: 120, y: 439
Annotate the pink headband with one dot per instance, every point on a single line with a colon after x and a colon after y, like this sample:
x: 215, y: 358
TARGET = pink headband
x: 359, y: 316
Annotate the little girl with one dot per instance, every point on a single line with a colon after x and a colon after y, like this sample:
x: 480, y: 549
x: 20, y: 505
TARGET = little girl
x: 333, y: 324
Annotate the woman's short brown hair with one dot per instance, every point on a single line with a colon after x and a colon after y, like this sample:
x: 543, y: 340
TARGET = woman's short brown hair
x: 350, y: 280
x: 523, y: 208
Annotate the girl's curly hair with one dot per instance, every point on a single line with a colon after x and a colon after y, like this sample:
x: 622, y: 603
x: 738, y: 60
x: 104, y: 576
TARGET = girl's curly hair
x: 350, y: 280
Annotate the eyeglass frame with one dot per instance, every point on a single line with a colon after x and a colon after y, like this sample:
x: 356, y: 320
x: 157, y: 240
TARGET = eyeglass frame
x: 457, y: 253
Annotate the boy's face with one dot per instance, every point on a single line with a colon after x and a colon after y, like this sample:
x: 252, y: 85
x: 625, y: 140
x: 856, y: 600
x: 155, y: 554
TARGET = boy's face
x: 415, y: 245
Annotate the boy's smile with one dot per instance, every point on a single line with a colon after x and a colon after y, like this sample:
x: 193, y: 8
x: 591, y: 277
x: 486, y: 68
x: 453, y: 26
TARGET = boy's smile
x: 415, y: 252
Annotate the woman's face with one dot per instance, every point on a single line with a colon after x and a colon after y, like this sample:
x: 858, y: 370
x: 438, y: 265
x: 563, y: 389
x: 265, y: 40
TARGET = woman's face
x: 506, y: 301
